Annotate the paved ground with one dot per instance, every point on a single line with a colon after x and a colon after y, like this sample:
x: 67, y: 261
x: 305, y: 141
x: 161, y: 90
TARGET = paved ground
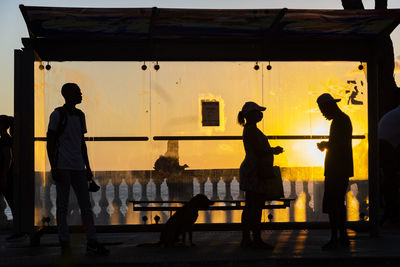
x: 292, y: 248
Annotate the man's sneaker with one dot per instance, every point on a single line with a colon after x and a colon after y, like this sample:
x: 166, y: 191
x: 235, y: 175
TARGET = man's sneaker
x: 66, y: 250
x: 94, y: 248
x: 17, y: 237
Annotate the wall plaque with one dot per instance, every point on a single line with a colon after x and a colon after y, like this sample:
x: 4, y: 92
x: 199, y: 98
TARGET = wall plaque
x: 210, y: 113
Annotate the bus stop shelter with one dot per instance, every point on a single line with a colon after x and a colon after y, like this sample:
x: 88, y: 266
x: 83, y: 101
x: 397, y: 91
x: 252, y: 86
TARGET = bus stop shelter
x: 153, y: 34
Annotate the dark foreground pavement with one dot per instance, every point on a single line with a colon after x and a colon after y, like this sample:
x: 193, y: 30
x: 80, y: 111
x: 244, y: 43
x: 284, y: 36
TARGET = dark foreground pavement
x: 292, y: 248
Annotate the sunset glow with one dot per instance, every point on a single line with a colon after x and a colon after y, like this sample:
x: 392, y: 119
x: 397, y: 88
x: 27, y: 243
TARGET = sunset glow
x: 132, y: 102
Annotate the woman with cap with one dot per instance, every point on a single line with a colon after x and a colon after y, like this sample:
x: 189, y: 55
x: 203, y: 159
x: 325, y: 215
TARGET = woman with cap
x: 254, y: 171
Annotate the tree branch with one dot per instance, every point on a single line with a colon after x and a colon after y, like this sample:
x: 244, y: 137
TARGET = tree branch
x: 381, y: 4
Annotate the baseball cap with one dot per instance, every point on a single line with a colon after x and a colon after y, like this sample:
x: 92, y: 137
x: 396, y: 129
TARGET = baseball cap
x: 250, y: 106
x: 325, y: 98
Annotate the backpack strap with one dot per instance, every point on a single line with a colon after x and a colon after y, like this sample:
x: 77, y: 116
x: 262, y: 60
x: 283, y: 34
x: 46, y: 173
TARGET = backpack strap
x: 62, y: 121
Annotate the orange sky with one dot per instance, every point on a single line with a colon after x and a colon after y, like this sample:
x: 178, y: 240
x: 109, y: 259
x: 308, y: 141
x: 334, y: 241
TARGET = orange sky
x: 132, y: 102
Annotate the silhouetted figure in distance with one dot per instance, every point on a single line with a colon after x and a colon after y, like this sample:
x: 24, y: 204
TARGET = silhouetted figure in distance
x: 338, y: 169
x: 6, y: 160
x: 254, y: 172
x: 179, y: 186
x: 69, y: 162
x: 6, y: 166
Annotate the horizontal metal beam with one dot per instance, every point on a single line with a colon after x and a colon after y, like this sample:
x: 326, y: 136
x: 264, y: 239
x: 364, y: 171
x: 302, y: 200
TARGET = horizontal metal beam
x: 273, y: 137
x: 105, y: 139
x: 197, y: 138
x: 201, y: 50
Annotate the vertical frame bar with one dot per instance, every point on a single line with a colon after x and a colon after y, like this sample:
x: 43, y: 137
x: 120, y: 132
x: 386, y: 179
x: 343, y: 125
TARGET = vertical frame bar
x: 23, y: 144
x: 373, y: 76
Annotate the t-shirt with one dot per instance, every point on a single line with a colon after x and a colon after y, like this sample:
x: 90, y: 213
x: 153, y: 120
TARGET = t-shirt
x: 69, y: 143
x: 5, y: 141
x: 389, y: 127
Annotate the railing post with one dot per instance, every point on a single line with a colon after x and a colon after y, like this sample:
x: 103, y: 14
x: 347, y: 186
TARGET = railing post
x: 144, y: 180
x: 309, y: 211
x: 214, y: 181
x: 116, y: 203
x: 130, y: 181
x: 294, y: 196
x: 157, y: 180
x: 202, y: 181
x: 228, y: 180
x: 103, y: 217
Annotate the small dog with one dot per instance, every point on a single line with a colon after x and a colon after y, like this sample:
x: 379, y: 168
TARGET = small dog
x: 183, y: 220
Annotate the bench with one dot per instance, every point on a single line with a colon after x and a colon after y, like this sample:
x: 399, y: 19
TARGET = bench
x: 229, y: 205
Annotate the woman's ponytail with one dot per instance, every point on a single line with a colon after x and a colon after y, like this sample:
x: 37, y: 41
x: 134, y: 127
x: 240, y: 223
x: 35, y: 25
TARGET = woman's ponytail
x: 240, y: 118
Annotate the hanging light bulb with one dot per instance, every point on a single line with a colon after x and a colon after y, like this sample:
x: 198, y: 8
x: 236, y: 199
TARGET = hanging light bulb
x: 269, y: 67
x: 256, y: 67
x: 360, y: 67
x: 144, y: 67
x: 41, y: 67
x: 48, y: 67
x: 157, y: 67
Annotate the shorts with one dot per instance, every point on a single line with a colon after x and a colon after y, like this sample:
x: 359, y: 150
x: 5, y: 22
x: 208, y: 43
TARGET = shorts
x: 334, y: 194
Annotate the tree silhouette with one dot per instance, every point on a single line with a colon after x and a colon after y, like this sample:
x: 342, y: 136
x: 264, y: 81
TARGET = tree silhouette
x: 388, y: 94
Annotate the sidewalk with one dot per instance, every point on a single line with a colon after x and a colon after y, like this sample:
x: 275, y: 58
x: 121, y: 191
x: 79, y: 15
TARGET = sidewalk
x: 292, y: 248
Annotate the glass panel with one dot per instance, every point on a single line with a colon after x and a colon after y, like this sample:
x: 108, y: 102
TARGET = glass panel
x: 178, y: 89
x: 290, y: 93
x: 122, y: 100
x: 116, y: 104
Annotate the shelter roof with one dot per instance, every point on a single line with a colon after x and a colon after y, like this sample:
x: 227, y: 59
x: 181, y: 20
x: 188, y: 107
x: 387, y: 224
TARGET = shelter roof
x: 164, y: 34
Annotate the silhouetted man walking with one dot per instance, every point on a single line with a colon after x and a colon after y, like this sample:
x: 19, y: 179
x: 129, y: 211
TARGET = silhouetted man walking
x: 338, y: 168
x: 69, y: 162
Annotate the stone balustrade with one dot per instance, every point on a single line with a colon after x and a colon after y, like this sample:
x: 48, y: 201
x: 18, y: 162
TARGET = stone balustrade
x: 111, y: 204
